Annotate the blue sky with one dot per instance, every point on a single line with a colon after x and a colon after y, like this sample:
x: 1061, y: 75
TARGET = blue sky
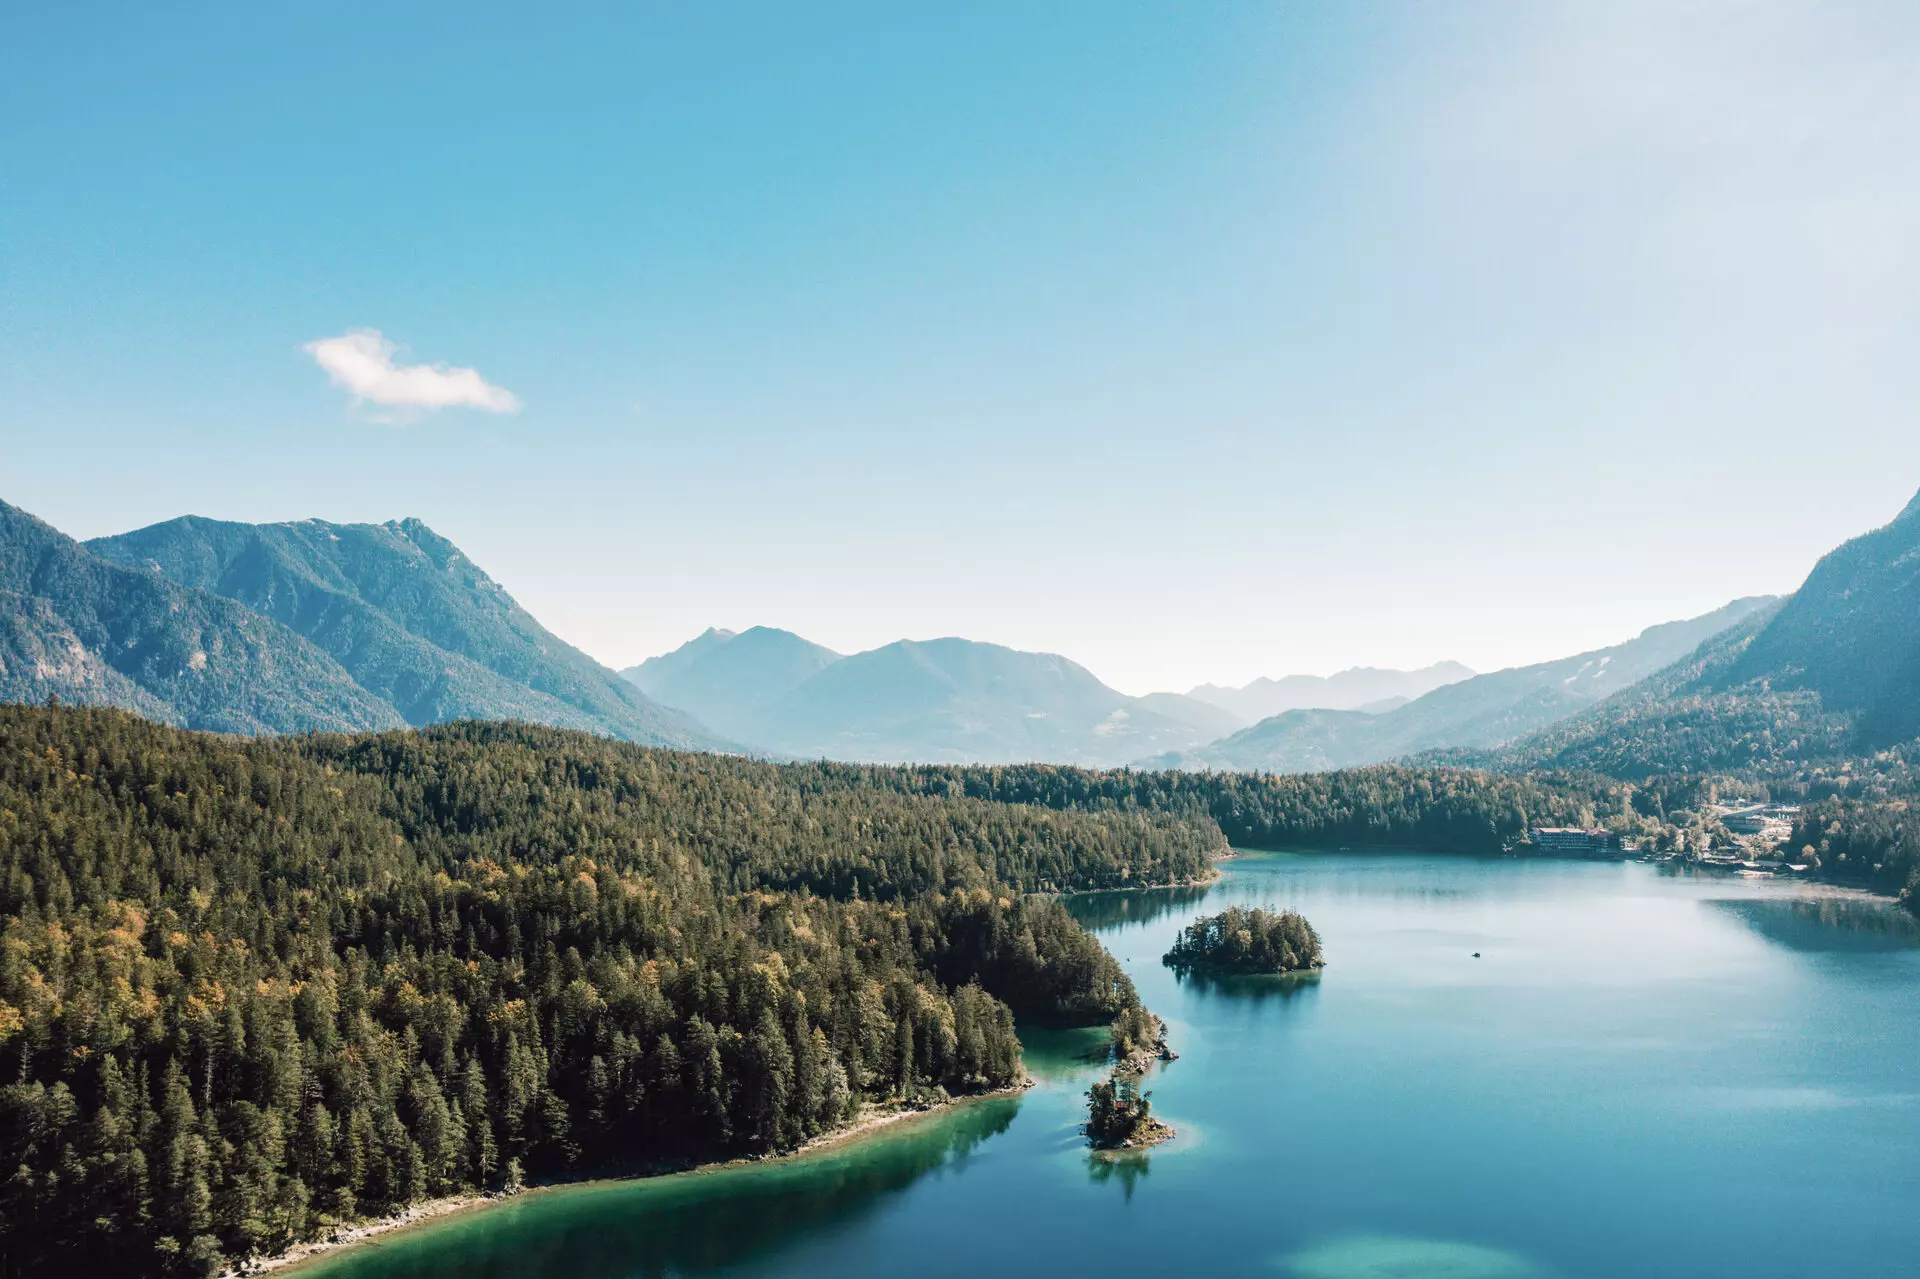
x: 1196, y: 342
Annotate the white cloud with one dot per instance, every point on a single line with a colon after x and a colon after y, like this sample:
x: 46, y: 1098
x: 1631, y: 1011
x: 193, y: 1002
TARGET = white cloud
x: 360, y: 362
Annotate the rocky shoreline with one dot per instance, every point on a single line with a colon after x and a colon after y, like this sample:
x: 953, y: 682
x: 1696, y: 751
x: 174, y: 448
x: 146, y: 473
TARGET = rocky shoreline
x: 1150, y: 1132
x: 1143, y: 1058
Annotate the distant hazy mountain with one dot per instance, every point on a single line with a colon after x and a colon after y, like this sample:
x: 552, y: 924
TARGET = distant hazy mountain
x: 666, y: 668
x: 77, y: 626
x: 411, y: 620
x: 728, y: 680
x: 1484, y: 711
x: 1215, y: 721
x: 945, y: 700
x: 957, y: 700
x: 1362, y: 686
x: 1832, y: 671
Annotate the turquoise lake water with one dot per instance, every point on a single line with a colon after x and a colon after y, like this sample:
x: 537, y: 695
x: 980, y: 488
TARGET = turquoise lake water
x: 1644, y: 1074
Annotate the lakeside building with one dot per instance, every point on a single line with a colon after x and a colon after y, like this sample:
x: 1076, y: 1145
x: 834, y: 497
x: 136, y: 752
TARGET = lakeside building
x: 1772, y: 821
x: 1574, y: 841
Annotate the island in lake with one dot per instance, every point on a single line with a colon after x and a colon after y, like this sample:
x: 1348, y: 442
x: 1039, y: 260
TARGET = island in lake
x: 1120, y: 1115
x: 1240, y: 941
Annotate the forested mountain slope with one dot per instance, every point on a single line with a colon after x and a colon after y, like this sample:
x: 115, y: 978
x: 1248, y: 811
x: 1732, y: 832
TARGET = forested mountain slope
x: 42, y: 657
x: 1682, y: 720
x: 1850, y: 634
x: 77, y: 626
x: 1831, y: 673
x: 410, y: 618
x: 1484, y: 711
x: 252, y: 987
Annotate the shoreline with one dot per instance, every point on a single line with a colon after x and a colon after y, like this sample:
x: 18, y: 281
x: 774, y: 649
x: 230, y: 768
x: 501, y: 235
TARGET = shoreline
x: 870, y: 1120
x: 1156, y: 1132
x: 1819, y: 886
x: 874, y: 1118
x: 1213, y: 876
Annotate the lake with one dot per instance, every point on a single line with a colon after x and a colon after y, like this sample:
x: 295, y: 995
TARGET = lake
x: 1645, y: 1073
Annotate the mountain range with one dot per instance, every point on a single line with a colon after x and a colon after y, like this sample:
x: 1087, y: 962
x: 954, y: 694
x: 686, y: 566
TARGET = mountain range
x: 305, y: 626
x: 934, y: 701
x: 1486, y: 710
x: 729, y: 680
x: 1368, y: 688
x: 85, y: 629
x: 277, y: 628
x: 955, y: 700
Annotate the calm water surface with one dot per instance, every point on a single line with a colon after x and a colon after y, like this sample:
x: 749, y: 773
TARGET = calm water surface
x: 1643, y: 1074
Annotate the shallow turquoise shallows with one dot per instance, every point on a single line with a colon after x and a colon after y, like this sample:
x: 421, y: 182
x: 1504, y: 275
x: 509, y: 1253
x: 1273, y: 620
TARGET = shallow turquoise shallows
x: 1643, y: 1074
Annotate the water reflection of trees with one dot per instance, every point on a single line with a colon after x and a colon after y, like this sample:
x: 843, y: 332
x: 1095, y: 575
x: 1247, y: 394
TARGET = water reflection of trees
x: 693, y: 1224
x: 1822, y: 924
x: 1097, y: 911
x: 1251, y: 988
x: 1128, y: 1169
x: 1052, y: 1053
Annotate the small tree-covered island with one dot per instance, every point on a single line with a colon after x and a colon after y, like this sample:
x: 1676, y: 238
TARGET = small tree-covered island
x: 1237, y: 941
x: 1120, y: 1115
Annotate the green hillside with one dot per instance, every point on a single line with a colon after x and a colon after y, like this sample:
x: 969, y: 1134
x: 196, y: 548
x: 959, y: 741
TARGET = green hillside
x: 1818, y: 686
x: 1686, y: 719
x: 42, y: 657
x: 1850, y: 635
x: 75, y: 625
x: 409, y: 617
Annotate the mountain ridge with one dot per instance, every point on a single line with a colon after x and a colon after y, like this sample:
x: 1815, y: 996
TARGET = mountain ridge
x: 1350, y: 689
x: 1482, y: 712
x: 727, y: 679
x: 946, y: 700
x: 1831, y: 673
x: 201, y: 660
x: 407, y: 616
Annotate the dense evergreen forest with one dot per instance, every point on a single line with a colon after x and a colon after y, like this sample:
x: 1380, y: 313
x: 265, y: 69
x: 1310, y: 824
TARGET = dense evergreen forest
x: 252, y: 988
x: 1871, y: 844
x: 1382, y: 806
x: 1247, y: 941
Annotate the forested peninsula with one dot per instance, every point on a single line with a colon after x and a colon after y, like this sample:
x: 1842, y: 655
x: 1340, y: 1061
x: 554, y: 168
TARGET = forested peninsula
x: 250, y: 989
x: 253, y: 989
